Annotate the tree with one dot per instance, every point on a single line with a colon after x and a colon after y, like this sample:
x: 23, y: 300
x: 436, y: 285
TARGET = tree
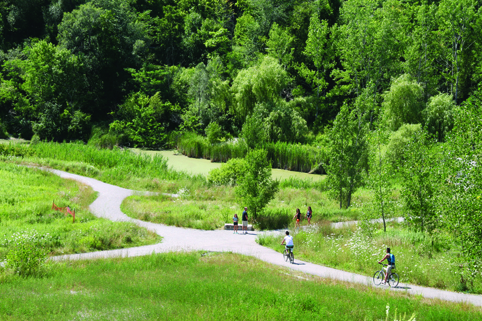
x: 418, y: 185
x: 457, y: 22
x: 209, y: 94
x: 403, y: 103
x: 280, y: 45
x: 109, y: 37
x: 258, y: 84
x: 460, y: 192
x: 256, y: 188
x: 348, y: 155
x: 48, y: 89
x: 438, y: 115
x: 380, y: 174
x: 321, y: 54
x: 143, y: 120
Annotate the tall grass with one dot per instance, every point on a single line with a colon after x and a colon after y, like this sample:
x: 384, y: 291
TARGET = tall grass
x: 117, y: 166
x: 420, y: 258
x: 204, y: 286
x: 294, y: 157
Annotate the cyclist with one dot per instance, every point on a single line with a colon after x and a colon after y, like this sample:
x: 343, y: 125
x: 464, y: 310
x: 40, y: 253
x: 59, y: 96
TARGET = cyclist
x: 289, y: 241
x: 391, y: 263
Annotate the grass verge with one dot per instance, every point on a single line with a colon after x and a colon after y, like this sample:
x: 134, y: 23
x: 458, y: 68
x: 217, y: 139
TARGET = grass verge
x: 190, y: 286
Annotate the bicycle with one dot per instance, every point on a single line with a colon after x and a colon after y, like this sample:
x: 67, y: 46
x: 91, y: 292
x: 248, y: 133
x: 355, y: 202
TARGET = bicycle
x: 288, y: 255
x: 379, y: 277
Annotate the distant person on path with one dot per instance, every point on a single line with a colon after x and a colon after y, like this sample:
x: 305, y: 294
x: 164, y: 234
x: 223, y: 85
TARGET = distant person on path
x: 391, y: 263
x: 235, y: 223
x: 297, y: 217
x: 288, y: 239
x: 245, y: 220
x: 309, y: 215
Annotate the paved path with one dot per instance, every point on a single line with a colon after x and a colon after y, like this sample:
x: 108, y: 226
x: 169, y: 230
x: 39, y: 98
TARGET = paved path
x: 108, y: 203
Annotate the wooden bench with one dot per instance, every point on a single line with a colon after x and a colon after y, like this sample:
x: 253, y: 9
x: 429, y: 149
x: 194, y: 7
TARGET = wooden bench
x: 240, y: 227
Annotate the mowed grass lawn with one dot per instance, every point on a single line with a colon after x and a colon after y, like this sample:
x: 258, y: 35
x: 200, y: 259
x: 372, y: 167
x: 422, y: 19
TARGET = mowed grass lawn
x: 204, y: 286
x: 26, y: 196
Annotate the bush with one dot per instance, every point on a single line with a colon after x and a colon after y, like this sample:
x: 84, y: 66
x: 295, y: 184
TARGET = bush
x: 27, y: 254
x: 228, y: 173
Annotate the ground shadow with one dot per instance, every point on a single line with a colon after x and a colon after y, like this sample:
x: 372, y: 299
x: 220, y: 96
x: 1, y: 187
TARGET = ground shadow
x: 401, y: 287
x: 294, y: 263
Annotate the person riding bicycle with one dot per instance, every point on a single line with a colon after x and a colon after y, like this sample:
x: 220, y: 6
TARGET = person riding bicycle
x: 391, y: 263
x: 289, y: 241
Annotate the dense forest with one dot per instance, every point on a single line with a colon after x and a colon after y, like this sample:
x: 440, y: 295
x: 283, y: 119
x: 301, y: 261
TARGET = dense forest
x: 139, y: 70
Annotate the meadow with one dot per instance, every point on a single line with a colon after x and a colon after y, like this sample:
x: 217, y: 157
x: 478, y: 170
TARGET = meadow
x: 210, y: 207
x: 26, y: 196
x: 421, y: 259
x: 208, y: 286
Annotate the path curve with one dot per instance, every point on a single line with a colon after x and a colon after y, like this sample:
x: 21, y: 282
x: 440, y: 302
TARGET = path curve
x: 107, y: 205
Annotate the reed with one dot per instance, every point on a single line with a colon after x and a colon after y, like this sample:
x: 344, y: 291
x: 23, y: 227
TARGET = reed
x: 293, y: 157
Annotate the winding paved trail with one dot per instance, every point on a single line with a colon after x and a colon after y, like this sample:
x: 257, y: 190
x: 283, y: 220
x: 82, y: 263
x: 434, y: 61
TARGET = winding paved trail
x: 108, y: 203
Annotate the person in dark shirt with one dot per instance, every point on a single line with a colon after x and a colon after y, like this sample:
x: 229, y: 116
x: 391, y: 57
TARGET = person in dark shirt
x: 297, y: 217
x: 245, y: 220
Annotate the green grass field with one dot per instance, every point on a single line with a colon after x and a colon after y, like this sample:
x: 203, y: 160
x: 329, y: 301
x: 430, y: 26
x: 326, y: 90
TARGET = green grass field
x: 191, y: 286
x: 26, y: 197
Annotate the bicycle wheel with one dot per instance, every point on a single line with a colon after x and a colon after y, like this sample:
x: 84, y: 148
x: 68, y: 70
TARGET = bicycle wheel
x: 286, y: 255
x: 292, y: 257
x: 378, y: 277
x: 393, y: 280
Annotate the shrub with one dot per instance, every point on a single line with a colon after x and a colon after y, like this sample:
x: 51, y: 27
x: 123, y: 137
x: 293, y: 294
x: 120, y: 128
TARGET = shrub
x: 26, y: 254
x: 228, y: 173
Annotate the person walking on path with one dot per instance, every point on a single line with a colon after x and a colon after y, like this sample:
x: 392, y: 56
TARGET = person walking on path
x: 297, y: 217
x: 235, y: 223
x: 391, y: 263
x: 245, y: 220
x: 309, y: 215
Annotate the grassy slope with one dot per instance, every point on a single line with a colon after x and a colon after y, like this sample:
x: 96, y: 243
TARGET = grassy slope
x: 26, y: 197
x: 212, y: 287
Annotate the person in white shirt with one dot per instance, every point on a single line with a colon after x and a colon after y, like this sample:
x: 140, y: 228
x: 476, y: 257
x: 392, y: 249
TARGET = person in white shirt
x: 288, y: 240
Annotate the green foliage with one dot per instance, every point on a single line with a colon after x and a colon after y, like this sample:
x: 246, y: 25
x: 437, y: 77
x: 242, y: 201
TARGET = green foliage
x: 380, y: 175
x: 347, y: 158
x: 404, y: 103
x: 143, y: 121
x: 285, y: 125
x: 258, y: 84
x: 398, y: 141
x: 26, y: 255
x: 228, y: 173
x: 280, y: 45
x: 418, y: 185
x: 459, y: 193
x: 254, y: 132
x: 209, y: 95
x: 256, y: 187
x: 214, y: 133
x: 438, y: 115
